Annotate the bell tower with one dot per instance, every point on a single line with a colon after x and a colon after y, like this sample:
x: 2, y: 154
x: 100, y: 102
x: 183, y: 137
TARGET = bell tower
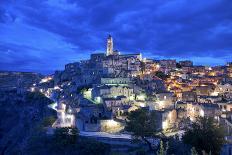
x: 109, y: 49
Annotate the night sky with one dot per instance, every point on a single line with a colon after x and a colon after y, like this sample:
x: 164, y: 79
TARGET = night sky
x: 44, y: 35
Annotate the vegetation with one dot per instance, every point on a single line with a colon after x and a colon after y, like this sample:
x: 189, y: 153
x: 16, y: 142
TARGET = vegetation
x: 178, y: 65
x: 143, y: 66
x: 48, y: 121
x: 142, y: 124
x: 81, y: 89
x: 162, y: 150
x: 21, y: 116
x: 65, y: 141
x: 36, y: 96
x: 205, y: 135
x: 161, y: 75
x: 193, y: 151
x: 177, y: 147
x: 66, y: 136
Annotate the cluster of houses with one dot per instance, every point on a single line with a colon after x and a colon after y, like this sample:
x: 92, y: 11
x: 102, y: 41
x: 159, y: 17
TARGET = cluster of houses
x: 101, y: 91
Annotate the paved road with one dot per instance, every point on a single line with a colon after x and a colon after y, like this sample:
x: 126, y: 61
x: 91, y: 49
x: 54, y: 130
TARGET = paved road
x: 105, y: 135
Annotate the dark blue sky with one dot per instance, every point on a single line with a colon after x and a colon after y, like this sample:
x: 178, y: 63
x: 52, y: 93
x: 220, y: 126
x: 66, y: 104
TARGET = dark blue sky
x: 44, y: 35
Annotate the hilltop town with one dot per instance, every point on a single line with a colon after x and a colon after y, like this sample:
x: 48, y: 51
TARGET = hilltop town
x: 101, y: 91
x: 96, y: 95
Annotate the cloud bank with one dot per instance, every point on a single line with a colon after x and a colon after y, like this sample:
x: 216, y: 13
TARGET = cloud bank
x: 43, y: 35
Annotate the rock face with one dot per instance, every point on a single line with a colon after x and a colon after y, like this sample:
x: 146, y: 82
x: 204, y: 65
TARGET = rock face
x: 12, y: 80
x: 20, y: 114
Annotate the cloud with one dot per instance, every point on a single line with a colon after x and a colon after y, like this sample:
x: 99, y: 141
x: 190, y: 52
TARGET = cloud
x: 68, y: 28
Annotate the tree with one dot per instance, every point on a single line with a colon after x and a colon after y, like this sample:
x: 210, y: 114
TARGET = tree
x: 66, y: 136
x: 142, y: 123
x: 142, y: 66
x: 48, y: 121
x: 61, y: 144
x: 161, y: 150
x: 178, y: 65
x: 205, y: 135
x: 161, y: 75
x: 193, y: 151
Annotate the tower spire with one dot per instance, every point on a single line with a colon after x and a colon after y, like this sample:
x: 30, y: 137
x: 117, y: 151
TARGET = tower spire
x: 109, y: 49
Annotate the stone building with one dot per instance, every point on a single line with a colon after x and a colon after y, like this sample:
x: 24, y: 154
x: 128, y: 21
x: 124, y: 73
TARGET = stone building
x: 167, y: 119
x: 164, y: 100
x: 204, y: 90
x: 109, y: 91
x: 186, y: 63
x: 195, y: 110
x: 189, y: 96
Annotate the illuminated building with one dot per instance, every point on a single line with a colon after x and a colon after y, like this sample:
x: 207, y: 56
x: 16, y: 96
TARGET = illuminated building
x: 195, y: 110
x: 164, y: 100
x: 109, y: 49
x: 167, y: 119
x: 208, y: 99
x: 108, y: 91
x: 189, y: 96
x: 186, y: 63
x: 225, y: 106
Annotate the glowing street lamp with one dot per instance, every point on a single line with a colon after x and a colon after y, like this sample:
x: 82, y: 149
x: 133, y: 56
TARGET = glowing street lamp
x: 201, y: 113
x: 142, y: 105
x: 141, y: 97
x: 165, y: 125
x: 111, y: 124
